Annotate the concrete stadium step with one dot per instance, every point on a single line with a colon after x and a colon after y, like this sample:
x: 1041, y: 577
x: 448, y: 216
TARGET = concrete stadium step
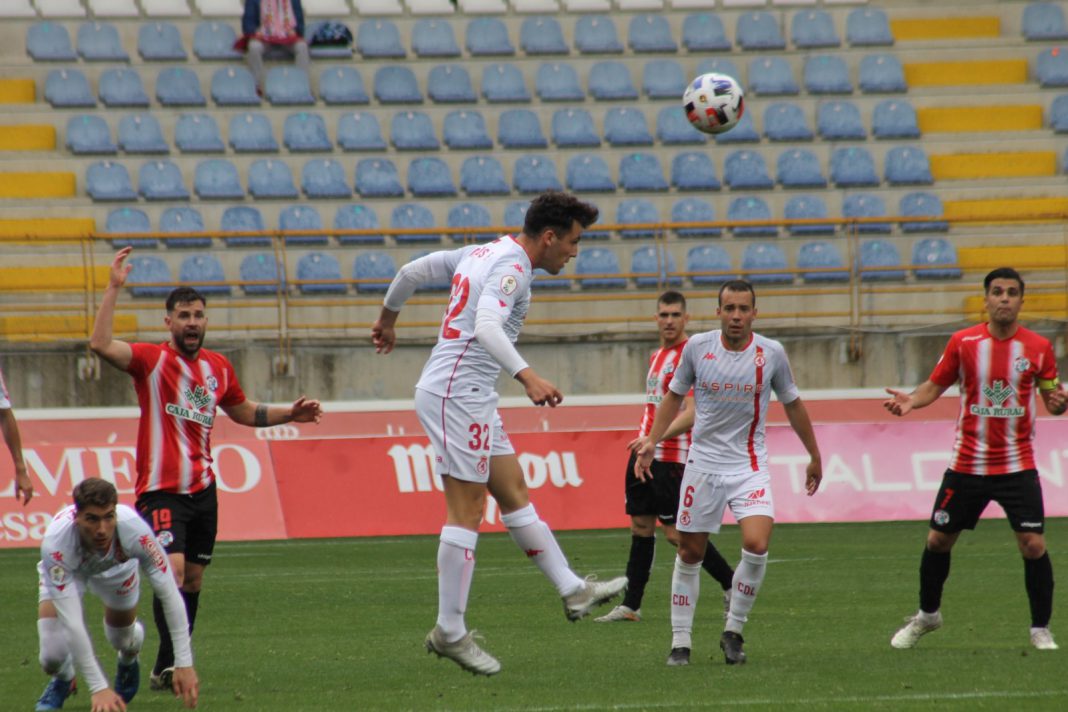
x: 49, y: 327
x: 37, y: 185
x: 1034, y: 210
x: 37, y: 229
x: 28, y: 137
x: 1023, y: 117
x: 972, y: 166
x: 905, y: 29
x: 52, y: 279
x: 967, y: 73
x: 18, y: 91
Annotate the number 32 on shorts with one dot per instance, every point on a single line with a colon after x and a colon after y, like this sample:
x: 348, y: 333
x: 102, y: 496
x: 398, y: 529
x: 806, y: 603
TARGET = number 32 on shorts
x: 480, y: 436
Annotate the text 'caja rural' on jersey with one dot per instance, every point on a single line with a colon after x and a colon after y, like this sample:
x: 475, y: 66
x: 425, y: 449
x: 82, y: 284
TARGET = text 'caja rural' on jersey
x: 998, y: 379
x: 662, y: 365
x: 732, y: 390
x: 178, y: 397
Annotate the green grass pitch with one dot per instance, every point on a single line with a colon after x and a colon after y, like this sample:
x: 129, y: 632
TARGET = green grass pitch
x: 339, y: 625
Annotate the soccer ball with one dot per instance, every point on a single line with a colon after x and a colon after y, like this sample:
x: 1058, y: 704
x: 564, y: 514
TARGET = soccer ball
x: 714, y: 103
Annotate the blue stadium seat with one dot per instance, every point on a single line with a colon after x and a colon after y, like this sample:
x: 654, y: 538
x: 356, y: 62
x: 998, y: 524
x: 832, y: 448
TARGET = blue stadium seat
x: 412, y: 131
x: 543, y: 280
x: 703, y: 32
x: 450, y: 84
x: 179, y: 86
x: 141, y: 133
x: 105, y: 180
x: 377, y: 178
x: 535, y: 174
x: 429, y: 177
x: 203, y: 273
x: 121, y: 88
x: 650, y: 33
x: 1058, y: 114
x: 763, y: 256
x: 785, y: 121
x: 89, y: 135
x: 694, y: 210
x: 234, y: 86
x: 626, y: 127
x: 396, y: 85
x: 302, y: 217
x: 128, y: 220
x: 746, y: 170
x: 465, y: 130
x: 881, y: 74
x: 894, y: 118
x: 515, y: 214
x: 596, y: 34
x: 853, y: 167
x: 99, y: 42
x: 149, y: 276
x: 243, y: 218
x: 866, y: 205
x: 820, y: 261
x: 868, y: 27
x: 1044, y: 21
x: 693, y: 170
x: 641, y: 171
x: 260, y: 267
x: 520, y: 128
x: 487, y: 37
x: 743, y: 132
x: 663, y: 79
x: 379, y: 39
x: 160, y: 42
x: 826, y: 74
x: 322, y: 272
x: 49, y: 42
x: 573, y: 128
x: 750, y: 208
x: 925, y: 205
x: 469, y: 215
x: 907, y: 165
x: 799, y: 168
x: 357, y: 217
x: 611, y: 81
x: 359, y: 131
x: 198, y: 133
x: 718, y: 65
x: 598, y: 268
x: 759, y: 30
x: 1052, y: 68
x: 161, y: 180
x: 708, y: 265
x: 935, y: 258
x: 412, y: 216
x: 636, y: 211
x: 341, y: 50
x: 654, y: 267
x: 305, y: 132
x: 215, y: 41
x: 880, y: 261
x: 342, y: 86
x: 558, y: 82
x: 673, y: 128
x: 183, y: 220
x: 587, y: 173
x: 434, y: 38
x: 324, y: 178
x: 771, y: 76
x: 542, y: 35
x: 840, y: 121
x: 288, y: 86
x: 813, y: 28
x: 483, y: 175
x: 68, y: 88
x: 217, y: 178
x: 252, y: 133
x: 807, y: 207
x: 503, y: 83
x: 373, y: 271
x: 271, y: 178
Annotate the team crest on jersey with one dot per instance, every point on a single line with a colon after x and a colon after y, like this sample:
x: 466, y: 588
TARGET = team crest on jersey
x: 58, y: 576
x: 213, y: 383
x: 483, y: 465
x: 669, y: 369
x: 1021, y: 364
x: 759, y: 361
x: 509, y: 284
x: 684, y: 518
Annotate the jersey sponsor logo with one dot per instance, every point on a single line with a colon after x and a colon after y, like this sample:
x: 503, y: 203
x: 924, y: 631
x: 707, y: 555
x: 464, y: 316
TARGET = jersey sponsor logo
x: 518, y: 268
x: 197, y: 396
x: 976, y: 337
x: 729, y: 388
x: 509, y: 284
x: 940, y: 517
x: 1031, y: 525
x: 149, y: 545
x: 709, y: 357
x: 997, y: 393
x: 1021, y: 364
x: 127, y: 586
x: 196, y: 416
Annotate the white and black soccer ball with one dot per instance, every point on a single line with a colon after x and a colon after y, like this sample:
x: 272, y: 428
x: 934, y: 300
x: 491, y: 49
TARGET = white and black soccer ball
x: 714, y: 103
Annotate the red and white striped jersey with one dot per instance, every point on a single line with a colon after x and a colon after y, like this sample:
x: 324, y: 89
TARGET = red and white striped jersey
x: 662, y: 365
x: 997, y: 397
x: 5, y: 399
x: 732, y: 390
x: 178, y: 397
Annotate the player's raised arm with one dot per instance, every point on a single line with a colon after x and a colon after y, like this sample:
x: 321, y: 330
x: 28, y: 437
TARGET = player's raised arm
x: 261, y: 415
x: 430, y: 269
x: 117, y: 353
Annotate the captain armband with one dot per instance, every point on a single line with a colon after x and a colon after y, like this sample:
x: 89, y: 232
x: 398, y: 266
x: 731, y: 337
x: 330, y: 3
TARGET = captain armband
x: 261, y: 416
x: 1049, y: 384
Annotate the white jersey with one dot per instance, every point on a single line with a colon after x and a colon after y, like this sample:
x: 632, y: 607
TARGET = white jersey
x: 494, y: 276
x: 5, y: 399
x: 731, y: 395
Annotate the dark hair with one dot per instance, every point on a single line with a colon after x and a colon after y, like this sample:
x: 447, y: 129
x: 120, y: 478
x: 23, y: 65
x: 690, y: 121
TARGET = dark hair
x: 672, y: 297
x: 558, y: 211
x: 1003, y: 273
x: 94, y: 492
x: 736, y: 285
x: 184, y: 295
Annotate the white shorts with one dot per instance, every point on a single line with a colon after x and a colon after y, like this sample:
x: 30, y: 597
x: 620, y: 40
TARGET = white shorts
x: 704, y: 497
x: 464, y: 432
x: 119, y: 587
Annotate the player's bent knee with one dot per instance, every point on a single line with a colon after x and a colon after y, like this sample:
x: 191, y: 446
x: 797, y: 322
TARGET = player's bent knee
x: 54, y: 647
x: 1032, y: 547
x: 126, y: 639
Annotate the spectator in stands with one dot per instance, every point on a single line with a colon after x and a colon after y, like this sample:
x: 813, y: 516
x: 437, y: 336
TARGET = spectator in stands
x: 278, y: 23
x: 10, y: 429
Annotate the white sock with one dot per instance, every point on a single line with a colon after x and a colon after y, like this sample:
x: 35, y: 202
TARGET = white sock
x: 747, y: 579
x: 456, y: 566
x: 55, y: 654
x: 685, y: 588
x: 126, y: 640
x: 534, y: 537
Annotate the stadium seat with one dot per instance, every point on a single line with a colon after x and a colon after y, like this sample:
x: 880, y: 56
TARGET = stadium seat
x: 234, y: 86
x: 434, y: 38
x: 503, y: 83
x: 894, y: 118
x: 305, y: 132
x: 813, y: 28
x: 598, y: 268
x: 758, y: 30
x: 718, y: 65
x: 663, y: 79
x: 323, y: 178
x: 49, y: 42
x: 868, y: 27
x: 1058, y: 114
x: 785, y: 121
x: 450, y: 84
x: 396, y: 85
x: 880, y: 261
x: 853, y: 167
x: 743, y: 132
x: 252, y: 133
x: 587, y: 173
x: 243, y: 219
x: 654, y: 267
x: 160, y: 42
x: 922, y: 204
x: 820, y: 261
x: 465, y: 130
x: 321, y: 272
x: 413, y: 216
x: 149, y: 276
x: 596, y: 34
x: 105, y: 180
x: 515, y: 214
x: 214, y: 41
x: 487, y: 37
x: 534, y: 174
x: 693, y: 171
x: 483, y: 175
x: 881, y: 74
x: 122, y: 88
x: 357, y: 217
x: 469, y: 215
x: 542, y: 35
x: 865, y: 205
x: 641, y: 172
x: 302, y: 217
x: 88, y: 135
x: 1044, y: 21
x: 99, y: 42
x: 673, y: 128
x: 799, y: 168
x: 377, y: 178
x: 703, y: 32
x: 826, y: 74
x: 198, y: 133
x: 178, y: 86
x: 359, y: 131
x: 183, y: 220
x: 127, y: 220
x: 161, y: 180
x: 379, y: 39
x: 203, y: 273
x: 907, y: 165
x: 839, y: 121
x: 750, y: 208
x: 558, y: 82
x: 412, y: 131
x: 270, y: 178
x: 611, y: 81
x: 573, y: 128
x: 141, y: 133
x: 746, y: 170
x: 637, y: 211
x: 217, y: 179
x: 708, y: 265
x: 1052, y: 68
x: 694, y: 210
x: 650, y: 33
x: 342, y: 86
x: 626, y: 127
x: 758, y: 258
x: 771, y: 76
x: 520, y: 128
x: 428, y: 177
x: 807, y: 207
x: 935, y: 258
x: 373, y: 271
x: 288, y: 86
x: 260, y: 267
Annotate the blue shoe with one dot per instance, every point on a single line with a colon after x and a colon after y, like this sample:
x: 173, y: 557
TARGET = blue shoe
x: 55, y: 694
x: 127, y: 679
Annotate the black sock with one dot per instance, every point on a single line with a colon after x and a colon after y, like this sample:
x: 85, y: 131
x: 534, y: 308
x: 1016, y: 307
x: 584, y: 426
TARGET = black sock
x: 717, y: 566
x: 1038, y: 577
x: 934, y: 570
x: 165, y: 656
x: 192, y: 602
x: 640, y: 563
